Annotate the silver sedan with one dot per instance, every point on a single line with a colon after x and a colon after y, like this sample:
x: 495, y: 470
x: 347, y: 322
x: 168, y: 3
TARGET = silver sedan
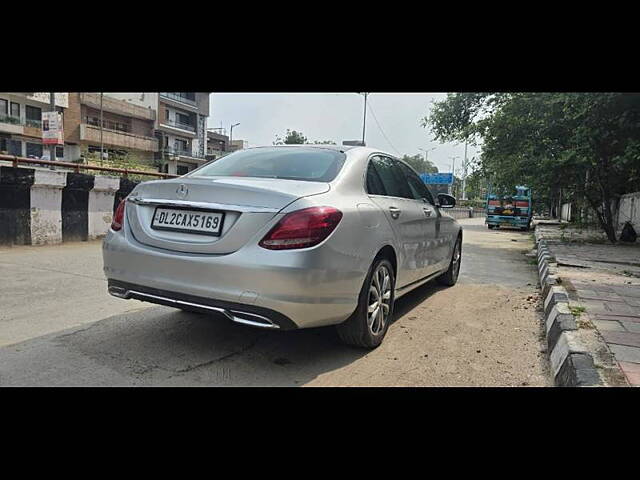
x: 286, y: 237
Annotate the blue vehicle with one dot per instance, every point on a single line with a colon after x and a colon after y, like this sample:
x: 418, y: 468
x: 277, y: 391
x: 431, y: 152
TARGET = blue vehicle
x: 511, y: 210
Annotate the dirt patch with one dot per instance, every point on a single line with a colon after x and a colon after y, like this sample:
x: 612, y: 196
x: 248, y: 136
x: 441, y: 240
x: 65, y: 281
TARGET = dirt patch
x: 475, y: 335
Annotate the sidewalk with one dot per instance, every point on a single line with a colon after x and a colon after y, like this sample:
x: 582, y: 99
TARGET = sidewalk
x: 603, y: 282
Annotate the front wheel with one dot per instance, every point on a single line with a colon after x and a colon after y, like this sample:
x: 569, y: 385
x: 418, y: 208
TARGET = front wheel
x: 450, y: 277
x: 369, y: 323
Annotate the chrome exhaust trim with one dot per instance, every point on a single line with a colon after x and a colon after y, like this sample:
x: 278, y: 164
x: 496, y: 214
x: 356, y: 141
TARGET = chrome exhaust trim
x: 254, y: 320
x: 119, y: 292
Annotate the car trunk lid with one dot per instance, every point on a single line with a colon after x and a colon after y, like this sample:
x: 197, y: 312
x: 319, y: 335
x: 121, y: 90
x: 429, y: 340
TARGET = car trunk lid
x: 247, y: 205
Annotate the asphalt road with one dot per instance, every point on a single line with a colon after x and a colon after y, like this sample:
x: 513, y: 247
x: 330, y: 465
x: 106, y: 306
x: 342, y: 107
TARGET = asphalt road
x: 58, y: 326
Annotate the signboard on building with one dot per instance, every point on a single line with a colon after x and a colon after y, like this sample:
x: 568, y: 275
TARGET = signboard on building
x: 52, y: 131
x: 437, y: 178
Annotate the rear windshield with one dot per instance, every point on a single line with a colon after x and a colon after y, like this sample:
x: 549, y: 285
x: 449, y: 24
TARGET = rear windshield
x: 292, y: 163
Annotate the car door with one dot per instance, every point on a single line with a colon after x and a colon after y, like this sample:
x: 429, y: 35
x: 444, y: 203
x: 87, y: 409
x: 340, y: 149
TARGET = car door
x: 433, y: 250
x: 388, y: 188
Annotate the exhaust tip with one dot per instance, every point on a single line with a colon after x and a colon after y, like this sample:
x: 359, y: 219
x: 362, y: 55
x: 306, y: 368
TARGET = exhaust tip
x: 118, y: 292
x: 252, y: 319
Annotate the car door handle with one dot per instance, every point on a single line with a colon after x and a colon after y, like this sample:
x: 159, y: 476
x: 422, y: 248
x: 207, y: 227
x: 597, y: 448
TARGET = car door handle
x: 395, y: 212
x: 427, y: 211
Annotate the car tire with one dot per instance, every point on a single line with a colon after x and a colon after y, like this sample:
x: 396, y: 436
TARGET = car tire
x: 491, y: 227
x: 365, y: 328
x: 450, y: 277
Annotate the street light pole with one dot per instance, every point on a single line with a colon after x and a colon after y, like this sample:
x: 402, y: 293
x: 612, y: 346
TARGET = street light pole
x: 426, y: 155
x: 101, y: 127
x: 231, y: 134
x: 52, y: 147
x: 364, y: 117
x: 464, y: 172
x: 453, y: 172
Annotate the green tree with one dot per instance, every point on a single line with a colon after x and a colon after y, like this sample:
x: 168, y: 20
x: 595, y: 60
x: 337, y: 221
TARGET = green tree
x: 324, y: 142
x: 419, y: 165
x: 562, y: 145
x: 291, y: 138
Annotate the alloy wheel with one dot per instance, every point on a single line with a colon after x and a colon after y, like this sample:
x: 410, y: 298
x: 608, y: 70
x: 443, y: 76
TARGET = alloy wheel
x: 379, y: 300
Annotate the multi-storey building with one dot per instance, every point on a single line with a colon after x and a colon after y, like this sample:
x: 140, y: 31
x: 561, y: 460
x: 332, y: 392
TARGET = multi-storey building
x: 180, y: 127
x: 217, y: 145
x: 21, y: 123
x: 166, y: 129
x: 128, y: 130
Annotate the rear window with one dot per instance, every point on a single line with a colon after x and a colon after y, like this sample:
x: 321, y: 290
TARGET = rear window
x: 292, y: 163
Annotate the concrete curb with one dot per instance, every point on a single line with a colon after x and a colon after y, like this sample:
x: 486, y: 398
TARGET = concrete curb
x: 571, y: 363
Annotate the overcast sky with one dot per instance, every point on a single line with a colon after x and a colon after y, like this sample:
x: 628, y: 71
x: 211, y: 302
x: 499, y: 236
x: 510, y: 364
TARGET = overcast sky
x: 337, y: 117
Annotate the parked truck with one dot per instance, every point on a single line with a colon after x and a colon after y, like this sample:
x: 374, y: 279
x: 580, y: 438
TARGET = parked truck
x: 510, y: 210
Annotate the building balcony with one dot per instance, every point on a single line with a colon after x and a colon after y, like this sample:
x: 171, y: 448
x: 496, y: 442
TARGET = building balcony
x: 177, y: 97
x: 115, y: 138
x: 183, y: 128
x: 177, y: 152
x: 119, y: 107
x: 9, y: 124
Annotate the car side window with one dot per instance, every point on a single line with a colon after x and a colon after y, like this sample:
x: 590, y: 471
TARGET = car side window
x: 374, y: 184
x: 393, y: 180
x: 418, y: 188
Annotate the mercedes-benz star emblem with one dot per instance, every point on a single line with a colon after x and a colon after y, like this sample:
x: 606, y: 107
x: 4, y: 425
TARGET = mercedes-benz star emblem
x: 182, y: 191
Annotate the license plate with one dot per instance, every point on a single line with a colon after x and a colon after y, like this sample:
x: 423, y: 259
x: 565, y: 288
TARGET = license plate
x: 202, y: 222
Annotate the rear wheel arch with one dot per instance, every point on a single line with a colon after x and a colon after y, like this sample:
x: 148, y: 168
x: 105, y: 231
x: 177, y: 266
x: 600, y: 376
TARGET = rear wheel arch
x: 390, y: 254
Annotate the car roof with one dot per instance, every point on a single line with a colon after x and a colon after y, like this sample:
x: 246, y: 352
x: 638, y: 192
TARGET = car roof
x: 340, y: 148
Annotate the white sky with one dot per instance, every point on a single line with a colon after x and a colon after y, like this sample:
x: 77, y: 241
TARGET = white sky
x: 337, y: 117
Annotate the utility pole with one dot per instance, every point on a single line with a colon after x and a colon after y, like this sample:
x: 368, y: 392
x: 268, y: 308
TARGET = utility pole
x: 52, y: 147
x: 231, y: 134
x: 464, y: 172
x: 364, y: 118
x: 453, y: 172
x: 101, y: 126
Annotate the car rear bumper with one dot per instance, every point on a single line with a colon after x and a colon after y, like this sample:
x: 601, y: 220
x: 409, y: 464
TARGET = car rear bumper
x: 301, y: 289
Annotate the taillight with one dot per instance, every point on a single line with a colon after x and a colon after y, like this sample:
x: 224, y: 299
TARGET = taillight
x: 303, y: 228
x: 118, y: 217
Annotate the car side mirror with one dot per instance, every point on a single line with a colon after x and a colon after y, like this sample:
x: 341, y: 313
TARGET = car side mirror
x: 446, y: 200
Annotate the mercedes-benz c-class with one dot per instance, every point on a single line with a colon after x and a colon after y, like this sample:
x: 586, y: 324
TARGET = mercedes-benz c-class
x: 286, y: 237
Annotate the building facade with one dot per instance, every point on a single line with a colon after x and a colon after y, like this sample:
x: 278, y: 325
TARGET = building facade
x: 128, y: 130
x: 21, y: 123
x: 167, y: 130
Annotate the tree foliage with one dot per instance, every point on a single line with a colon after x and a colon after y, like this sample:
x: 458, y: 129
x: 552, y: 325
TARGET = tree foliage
x: 291, y: 138
x: 562, y: 145
x: 419, y: 165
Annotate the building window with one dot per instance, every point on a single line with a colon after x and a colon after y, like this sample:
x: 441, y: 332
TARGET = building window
x: 33, y: 116
x: 182, y: 169
x: 181, y: 118
x: 4, y: 106
x: 15, y: 110
x: 166, y: 114
x: 15, y: 147
x: 3, y: 145
x: 34, y: 150
x: 59, y: 152
x: 181, y: 145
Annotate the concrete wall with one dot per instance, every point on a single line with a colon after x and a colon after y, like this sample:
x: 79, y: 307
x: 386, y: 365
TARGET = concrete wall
x: 39, y: 206
x: 101, y: 199
x: 46, y: 207
x: 629, y: 210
